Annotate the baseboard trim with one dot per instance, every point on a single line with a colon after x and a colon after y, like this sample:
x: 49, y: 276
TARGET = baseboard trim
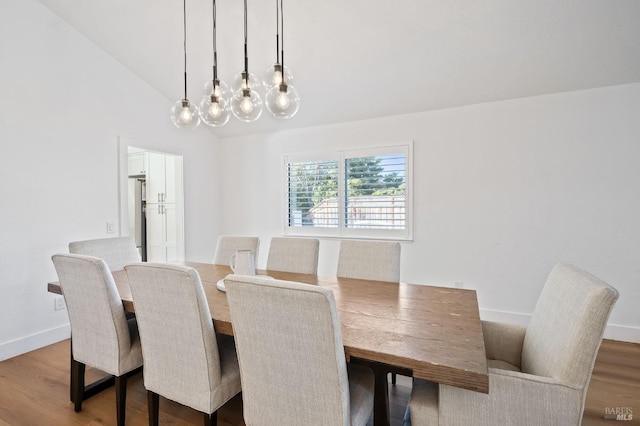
x: 613, y: 331
x: 623, y: 333
x: 34, y: 341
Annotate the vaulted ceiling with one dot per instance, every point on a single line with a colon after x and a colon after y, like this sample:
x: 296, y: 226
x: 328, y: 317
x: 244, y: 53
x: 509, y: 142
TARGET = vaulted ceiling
x: 357, y: 59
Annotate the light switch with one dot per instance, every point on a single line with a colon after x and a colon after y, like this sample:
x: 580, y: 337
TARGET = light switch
x: 111, y: 228
x: 58, y: 303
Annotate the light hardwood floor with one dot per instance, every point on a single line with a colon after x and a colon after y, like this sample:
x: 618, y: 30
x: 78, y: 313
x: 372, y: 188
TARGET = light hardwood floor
x: 34, y: 390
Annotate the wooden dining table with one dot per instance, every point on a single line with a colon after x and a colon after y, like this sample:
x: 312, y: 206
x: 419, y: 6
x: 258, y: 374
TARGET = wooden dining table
x: 427, y: 332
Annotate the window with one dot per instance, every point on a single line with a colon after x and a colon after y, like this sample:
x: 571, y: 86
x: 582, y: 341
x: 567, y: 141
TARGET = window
x: 361, y: 193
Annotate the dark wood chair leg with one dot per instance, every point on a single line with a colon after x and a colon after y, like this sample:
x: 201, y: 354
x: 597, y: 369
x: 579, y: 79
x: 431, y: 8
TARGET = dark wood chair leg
x: 121, y: 398
x: 393, y: 378
x: 211, y: 419
x: 71, y: 376
x: 77, y: 384
x: 153, y: 405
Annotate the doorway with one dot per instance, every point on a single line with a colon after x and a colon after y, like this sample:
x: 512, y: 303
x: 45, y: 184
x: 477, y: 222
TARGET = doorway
x: 152, y: 206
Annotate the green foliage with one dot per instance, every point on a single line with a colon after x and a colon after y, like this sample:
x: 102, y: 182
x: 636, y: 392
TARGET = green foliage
x: 368, y: 177
x: 393, y: 190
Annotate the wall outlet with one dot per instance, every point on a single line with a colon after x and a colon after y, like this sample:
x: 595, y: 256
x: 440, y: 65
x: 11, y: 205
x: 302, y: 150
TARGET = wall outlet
x: 58, y: 303
x: 111, y: 227
x: 458, y: 284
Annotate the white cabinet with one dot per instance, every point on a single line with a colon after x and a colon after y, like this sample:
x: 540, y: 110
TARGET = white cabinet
x: 161, y: 232
x: 163, y: 218
x: 137, y: 164
x: 161, y: 178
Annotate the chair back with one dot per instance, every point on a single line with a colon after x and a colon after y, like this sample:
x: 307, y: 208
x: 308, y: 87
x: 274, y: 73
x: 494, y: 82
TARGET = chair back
x: 565, y: 331
x: 229, y: 244
x: 116, y: 252
x: 292, y: 362
x: 181, y: 359
x: 297, y: 255
x: 99, y: 328
x: 369, y: 260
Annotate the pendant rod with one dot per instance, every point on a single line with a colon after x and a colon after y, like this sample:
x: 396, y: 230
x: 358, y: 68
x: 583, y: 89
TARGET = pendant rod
x: 184, y: 28
x: 282, y: 39
x: 277, y: 34
x: 246, y: 56
x: 215, y: 49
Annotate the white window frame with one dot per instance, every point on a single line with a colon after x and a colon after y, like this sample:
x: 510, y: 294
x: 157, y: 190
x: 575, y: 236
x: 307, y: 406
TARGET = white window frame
x: 341, y: 231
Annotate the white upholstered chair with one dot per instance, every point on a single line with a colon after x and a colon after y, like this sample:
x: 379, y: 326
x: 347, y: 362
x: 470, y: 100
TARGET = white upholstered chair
x: 539, y: 374
x: 116, y: 252
x: 369, y: 260
x: 297, y: 255
x: 229, y: 244
x: 101, y: 336
x: 185, y: 361
x: 292, y: 362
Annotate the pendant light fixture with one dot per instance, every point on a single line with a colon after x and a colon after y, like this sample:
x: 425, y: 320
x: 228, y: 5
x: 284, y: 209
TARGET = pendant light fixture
x: 282, y: 99
x: 183, y: 113
x: 246, y: 103
x: 214, y: 109
x: 273, y: 75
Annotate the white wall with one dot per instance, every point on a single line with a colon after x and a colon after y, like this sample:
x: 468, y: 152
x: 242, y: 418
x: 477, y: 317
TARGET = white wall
x: 64, y: 105
x: 503, y: 191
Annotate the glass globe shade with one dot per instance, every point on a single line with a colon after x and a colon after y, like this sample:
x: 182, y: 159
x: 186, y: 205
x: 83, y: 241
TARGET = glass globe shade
x: 273, y: 76
x: 239, y: 82
x: 246, y: 105
x: 283, y: 102
x: 222, y: 89
x: 185, y: 115
x: 214, y: 114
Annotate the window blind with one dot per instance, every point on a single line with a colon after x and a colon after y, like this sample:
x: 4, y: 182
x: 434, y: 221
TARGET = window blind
x: 313, y: 194
x: 375, y: 192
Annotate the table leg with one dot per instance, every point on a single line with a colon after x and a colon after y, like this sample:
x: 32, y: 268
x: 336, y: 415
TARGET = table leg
x: 381, y: 391
x: 381, y: 398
